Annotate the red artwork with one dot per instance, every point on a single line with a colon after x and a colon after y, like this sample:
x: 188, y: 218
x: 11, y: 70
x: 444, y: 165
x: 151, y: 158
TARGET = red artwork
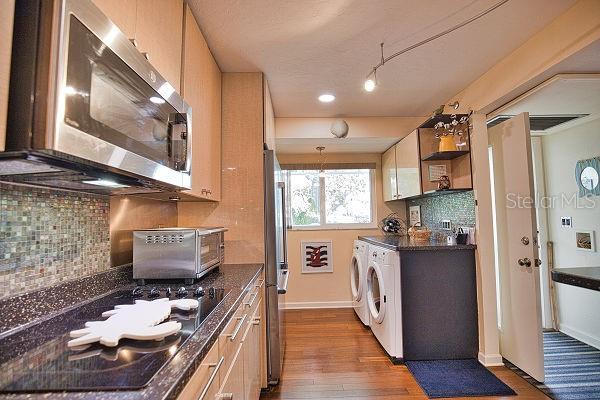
x: 316, y: 257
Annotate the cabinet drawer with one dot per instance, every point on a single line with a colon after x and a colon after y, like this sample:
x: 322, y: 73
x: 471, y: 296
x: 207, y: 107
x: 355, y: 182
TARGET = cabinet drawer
x: 231, y: 337
x: 232, y: 386
x: 205, y: 382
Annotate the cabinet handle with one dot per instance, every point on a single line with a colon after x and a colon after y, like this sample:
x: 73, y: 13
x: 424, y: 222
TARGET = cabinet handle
x: 133, y: 42
x: 238, y: 327
x: 256, y: 321
x: 146, y: 55
x: 212, y: 377
x: 259, y: 284
x: 251, y: 302
x: 208, y: 191
x: 225, y: 396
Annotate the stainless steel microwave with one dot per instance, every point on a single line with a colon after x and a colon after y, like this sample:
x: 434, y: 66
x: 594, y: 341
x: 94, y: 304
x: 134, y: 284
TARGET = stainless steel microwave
x: 86, y: 107
x: 177, y: 253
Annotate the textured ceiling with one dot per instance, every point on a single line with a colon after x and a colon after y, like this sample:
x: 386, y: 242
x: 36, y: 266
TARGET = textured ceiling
x: 308, y: 47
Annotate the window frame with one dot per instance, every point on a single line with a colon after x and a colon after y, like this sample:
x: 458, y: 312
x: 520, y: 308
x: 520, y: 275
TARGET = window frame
x: 322, y: 207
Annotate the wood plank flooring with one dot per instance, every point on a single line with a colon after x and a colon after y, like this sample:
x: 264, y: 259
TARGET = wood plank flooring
x: 330, y: 354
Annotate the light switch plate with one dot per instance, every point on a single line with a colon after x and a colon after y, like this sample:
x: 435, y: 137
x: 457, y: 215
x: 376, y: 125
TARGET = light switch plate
x: 566, y: 222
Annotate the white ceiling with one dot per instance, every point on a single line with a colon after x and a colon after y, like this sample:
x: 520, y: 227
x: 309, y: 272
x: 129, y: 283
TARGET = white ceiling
x: 308, y: 47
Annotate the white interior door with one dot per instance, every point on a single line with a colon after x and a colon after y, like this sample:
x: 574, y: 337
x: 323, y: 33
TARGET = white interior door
x: 521, y: 339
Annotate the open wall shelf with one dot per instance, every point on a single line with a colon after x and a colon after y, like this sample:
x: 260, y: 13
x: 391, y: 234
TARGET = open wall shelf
x: 445, y: 155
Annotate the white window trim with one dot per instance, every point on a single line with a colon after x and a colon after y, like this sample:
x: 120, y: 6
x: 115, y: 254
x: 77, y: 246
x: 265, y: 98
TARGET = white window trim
x: 344, y: 226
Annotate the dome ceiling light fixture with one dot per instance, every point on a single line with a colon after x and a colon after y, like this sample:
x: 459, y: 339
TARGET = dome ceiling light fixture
x: 371, y: 80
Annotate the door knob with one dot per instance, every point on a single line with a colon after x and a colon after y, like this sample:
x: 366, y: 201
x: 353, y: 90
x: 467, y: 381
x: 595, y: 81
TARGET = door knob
x: 524, y: 262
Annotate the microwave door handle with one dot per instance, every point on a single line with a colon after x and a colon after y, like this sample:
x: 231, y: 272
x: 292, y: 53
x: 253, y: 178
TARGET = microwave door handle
x: 281, y: 186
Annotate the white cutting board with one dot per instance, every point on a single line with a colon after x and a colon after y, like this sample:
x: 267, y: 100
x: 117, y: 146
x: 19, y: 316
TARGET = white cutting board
x: 139, y: 321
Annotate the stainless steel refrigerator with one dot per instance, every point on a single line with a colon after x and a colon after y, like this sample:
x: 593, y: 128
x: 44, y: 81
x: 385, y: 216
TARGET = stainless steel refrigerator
x: 276, y: 262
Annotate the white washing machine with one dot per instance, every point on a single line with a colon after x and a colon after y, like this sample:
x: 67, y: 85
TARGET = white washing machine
x: 384, y: 299
x: 358, y: 280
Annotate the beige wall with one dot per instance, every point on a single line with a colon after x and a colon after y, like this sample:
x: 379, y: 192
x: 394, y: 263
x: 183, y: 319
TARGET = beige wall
x: 129, y: 213
x: 578, y: 308
x: 330, y: 289
x: 361, y: 127
x: 241, y: 208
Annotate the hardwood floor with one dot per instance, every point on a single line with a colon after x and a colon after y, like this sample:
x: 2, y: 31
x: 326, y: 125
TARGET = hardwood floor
x: 330, y: 354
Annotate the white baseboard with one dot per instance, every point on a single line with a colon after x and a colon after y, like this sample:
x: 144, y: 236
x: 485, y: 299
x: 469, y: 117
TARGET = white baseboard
x: 490, y: 360
x: 581, y: 336
x: 316, y: 304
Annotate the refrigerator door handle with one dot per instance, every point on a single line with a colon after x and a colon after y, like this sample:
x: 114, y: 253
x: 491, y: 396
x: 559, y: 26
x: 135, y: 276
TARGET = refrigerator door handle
x: 283, y: 288
x: 281, y: 186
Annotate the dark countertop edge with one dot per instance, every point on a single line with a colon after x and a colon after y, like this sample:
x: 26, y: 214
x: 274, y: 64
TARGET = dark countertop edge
x: 418, y: 246
x: 171, y: 379
x: 565, y: 277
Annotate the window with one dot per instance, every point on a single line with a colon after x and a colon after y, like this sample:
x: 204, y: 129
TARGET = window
x: 335, y: 198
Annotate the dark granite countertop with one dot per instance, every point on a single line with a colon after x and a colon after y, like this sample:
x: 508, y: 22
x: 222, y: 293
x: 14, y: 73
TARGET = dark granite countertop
x: 404, y: 243
x: 585, y: 277
x: 171, y: 379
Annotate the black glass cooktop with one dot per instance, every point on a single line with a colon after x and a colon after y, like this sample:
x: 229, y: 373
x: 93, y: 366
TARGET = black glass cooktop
x: 38, y: 359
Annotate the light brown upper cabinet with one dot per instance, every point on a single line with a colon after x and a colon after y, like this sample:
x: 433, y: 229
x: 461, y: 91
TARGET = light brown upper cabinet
x: 408, y: 173
x: 388, y: 166
x: 156, y: 28
x: 201, y: 89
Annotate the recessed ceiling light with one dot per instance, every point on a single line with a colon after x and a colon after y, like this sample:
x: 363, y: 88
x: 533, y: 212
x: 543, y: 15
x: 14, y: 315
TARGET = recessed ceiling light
x: 326, y: 98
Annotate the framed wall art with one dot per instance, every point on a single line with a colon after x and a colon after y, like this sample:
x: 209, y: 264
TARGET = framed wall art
x: 585, y: 240
x: 317, y: 256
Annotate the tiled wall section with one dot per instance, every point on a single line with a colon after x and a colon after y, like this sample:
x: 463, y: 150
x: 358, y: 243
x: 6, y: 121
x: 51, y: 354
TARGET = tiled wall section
x: 457, y: 207
x: 47, y: 237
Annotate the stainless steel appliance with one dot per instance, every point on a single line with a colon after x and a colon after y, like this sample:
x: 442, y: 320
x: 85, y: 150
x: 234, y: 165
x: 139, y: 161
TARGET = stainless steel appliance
x: 177, y: 253
x: 276, y: 263
x: 87, y: 111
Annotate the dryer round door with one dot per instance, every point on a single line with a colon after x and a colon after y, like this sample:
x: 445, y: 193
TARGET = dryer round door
x: 356, y: 282
x: 375, y: 292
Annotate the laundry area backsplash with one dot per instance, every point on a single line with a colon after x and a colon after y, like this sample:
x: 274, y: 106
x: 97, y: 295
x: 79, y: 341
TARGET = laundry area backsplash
x: 459, y: 208
x: 49, y: 236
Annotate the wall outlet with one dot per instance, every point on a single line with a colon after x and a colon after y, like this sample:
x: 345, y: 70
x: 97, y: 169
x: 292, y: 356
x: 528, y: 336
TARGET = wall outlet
x: 446, y: 224
x: 566, y: 222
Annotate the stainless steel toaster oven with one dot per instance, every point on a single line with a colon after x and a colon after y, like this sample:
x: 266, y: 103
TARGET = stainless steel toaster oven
x: 177, y: 253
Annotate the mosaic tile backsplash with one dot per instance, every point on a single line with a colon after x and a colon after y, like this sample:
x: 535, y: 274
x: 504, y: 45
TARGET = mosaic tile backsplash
x: 48, y: 237
x: 457, y: 207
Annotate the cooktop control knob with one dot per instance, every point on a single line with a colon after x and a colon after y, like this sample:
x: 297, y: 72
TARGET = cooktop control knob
x: 168, y: 292
x: 154, y: 292
x: 137, y: 292
x: 182, y: 292
x: 199, y: 292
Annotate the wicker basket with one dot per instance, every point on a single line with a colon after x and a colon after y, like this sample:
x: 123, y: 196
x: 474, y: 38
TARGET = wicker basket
x: 419, y: 234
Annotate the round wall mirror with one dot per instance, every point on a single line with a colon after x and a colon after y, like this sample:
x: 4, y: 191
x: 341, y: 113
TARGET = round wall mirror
x: 589, y: 178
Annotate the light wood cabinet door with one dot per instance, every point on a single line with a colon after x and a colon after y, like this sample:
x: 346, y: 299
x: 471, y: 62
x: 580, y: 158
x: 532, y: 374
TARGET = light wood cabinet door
x: 408, y: 165
x: 121, y: 12
x: 159, y: 34
x: 252, y: 352
x: 232, y: 386
x: 388, y: 166
x: 205, y: 382
x: 201, y: 89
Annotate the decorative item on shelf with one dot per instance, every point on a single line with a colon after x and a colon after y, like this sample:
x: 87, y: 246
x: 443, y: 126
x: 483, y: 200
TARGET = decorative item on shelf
x: 393, y: 225
x: 419, y: 233
x: 444, y: 183
x: 448, y: 132
x: 587, y: 175
x: 414, y: 215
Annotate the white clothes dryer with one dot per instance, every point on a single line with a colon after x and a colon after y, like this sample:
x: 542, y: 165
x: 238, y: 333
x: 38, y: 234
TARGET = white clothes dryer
x: 358, y: 277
